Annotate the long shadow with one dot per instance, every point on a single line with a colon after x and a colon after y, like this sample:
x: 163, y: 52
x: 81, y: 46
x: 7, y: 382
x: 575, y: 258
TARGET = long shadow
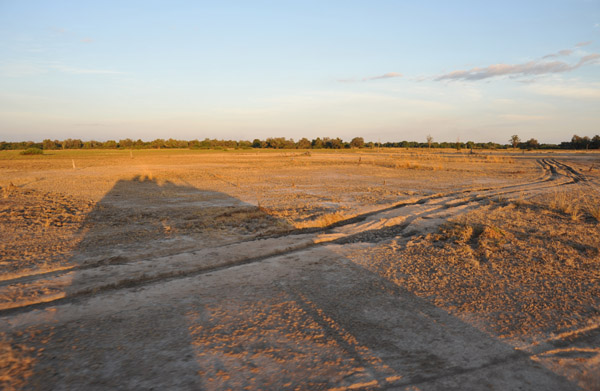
x: 307, y: 319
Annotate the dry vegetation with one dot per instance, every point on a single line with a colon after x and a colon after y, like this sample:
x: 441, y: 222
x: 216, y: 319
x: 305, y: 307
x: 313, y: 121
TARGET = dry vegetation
x: 508, y: 244
x: 519, y: 269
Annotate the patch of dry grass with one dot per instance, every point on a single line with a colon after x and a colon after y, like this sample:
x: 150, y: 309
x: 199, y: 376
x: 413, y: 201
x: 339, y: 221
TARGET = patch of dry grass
x: 515, y: 271
x: 322, y: 221
x: 593, y: 208
x: 575, y: 204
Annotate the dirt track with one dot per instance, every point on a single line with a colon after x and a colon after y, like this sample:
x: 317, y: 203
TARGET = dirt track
x: 166, y: 284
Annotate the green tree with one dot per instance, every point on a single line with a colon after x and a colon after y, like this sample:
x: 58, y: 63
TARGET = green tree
x: 257, y: 143
x: 357, y: 142
x: 49, y: 144
x: 532, y: 144
x: 158, y: 143
x: 127, y: 143
x: 514, y: 140
x: 72, y: 144
x: 110, y: 144
x: 303, y: 143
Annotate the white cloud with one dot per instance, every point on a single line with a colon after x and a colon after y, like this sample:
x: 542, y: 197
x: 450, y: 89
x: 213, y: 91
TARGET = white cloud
x: 531, y: 68
x: 581, y: 44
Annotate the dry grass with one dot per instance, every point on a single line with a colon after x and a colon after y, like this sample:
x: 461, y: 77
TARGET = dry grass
x: 593, y: 208
x: 514, y: 271
x: 577, y: 204
x: 322, y: 221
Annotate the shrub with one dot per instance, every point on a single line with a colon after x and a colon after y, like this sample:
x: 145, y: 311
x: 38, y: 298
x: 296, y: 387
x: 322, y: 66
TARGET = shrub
x: 32, y: 151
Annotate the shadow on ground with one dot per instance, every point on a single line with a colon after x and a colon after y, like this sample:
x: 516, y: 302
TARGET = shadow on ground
x: 307, y: 319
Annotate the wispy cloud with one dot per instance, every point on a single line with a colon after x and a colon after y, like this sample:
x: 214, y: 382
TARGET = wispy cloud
x: 87, y: 40
x: 581, y: 44
x: 560, y: 53
x: 531, y: 68
x: 389, y: 75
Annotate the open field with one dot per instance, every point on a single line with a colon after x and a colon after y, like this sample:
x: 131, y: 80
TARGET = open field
x: 342, y: 270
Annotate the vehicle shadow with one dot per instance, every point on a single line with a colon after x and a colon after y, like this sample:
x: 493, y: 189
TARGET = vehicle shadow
x: 152, y: 307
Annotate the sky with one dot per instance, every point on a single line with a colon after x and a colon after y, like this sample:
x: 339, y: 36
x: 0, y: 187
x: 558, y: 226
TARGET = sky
x: 381, y: 70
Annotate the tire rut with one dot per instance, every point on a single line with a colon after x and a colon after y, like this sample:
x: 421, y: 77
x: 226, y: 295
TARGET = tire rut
x: 437, y: 208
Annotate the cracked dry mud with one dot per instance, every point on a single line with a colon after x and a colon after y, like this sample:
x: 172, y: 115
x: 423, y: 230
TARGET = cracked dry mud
x: 404, y: 270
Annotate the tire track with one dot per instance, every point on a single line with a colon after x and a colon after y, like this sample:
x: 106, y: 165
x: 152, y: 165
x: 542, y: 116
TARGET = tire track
x: 405, y: 219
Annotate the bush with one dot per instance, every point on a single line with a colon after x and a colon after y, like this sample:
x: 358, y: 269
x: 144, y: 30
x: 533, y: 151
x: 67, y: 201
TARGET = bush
x: 32, y: 151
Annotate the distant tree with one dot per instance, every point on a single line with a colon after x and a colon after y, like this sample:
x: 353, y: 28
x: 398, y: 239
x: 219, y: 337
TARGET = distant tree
x: 429, y: 140
x: 357, y: 142
x: 72, y: 144
x: 317, y: 143
x: 532, y: 144
x: 303, y: 143
x: 49, y: 144
x: 335, y: 143
x: 595, y: 142
x: 257, y: 143
x: 127, y: 143
x: 244, y: 144
x: 171, y: 143
x: 276, y: 142
x: 206, y: 144
x: 586, y: 142
x: 92, y: 144
x: 110, y: 144
x: 158, y: 143
x: 289, y: 143
x: 514, y: 140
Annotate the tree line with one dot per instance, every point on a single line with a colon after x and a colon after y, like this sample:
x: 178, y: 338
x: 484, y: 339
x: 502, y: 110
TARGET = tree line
x: 576, y: 142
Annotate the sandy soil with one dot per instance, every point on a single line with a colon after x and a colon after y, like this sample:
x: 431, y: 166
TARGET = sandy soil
x: 403, y: 269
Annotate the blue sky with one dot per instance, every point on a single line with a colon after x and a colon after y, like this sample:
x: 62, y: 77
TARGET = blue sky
x: 383, y: 70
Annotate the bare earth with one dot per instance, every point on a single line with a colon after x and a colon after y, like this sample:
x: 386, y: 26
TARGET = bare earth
x: 337, y: 270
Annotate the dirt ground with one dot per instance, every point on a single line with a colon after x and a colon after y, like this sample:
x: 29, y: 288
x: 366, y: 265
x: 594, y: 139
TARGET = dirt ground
x: 337, y: 270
